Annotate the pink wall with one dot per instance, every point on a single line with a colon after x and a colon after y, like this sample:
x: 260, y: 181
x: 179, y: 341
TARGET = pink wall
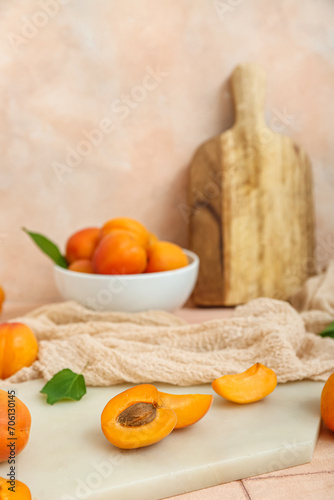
x: 66, y: 66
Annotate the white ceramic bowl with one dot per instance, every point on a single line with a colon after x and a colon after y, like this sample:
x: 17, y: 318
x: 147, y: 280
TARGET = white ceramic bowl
x: 167, y: 290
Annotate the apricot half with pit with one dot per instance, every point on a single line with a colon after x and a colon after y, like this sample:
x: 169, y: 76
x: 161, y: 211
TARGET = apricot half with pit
x: 246, y: 387
x: 136, y: 418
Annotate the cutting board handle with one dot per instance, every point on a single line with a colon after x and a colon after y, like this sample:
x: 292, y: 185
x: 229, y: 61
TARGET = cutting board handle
x: 249, y: 88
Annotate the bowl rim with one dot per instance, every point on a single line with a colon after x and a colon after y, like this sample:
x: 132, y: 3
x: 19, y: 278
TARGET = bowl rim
x: 142, y: 276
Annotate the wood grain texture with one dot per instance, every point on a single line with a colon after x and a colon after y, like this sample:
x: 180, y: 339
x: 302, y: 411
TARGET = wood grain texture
x: 252, y: 216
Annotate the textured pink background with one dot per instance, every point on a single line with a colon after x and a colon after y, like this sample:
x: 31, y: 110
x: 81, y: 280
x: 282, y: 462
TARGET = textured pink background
x: 69, y: 68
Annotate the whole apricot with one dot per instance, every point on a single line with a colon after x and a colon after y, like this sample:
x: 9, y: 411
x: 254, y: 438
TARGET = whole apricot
x: 18, y: 348
x: 119, y: 253
x: 10, y: 491
x: 137, y: 237
x: 327, y: 403
x: 81, y: 266
x: 2, y: 297
x: 152, y: 238
x: 127, y: 224
x: 12, y: 409
x: 165, y: 256
x: 136, y: 418
x: 82, y: 244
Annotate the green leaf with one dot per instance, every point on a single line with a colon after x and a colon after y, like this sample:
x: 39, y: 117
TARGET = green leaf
x: 48, y: 247
x: 328, y: 331
x: 64, y: 385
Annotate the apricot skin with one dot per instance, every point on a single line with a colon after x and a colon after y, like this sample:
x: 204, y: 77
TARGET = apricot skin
x: 189, y: 408
x: 82, y: 244
x: 127, y: 224
x: 246, y: 387
x: 119, y: 253
x: 327, y: 403
x: 2, y: 298
x: 82, y: 266
x: 165, y: 256
x: 152, y: 238
x: 21, y: 429
x: 114, y: 418
x: 21, y: 490
x: 18, y: 348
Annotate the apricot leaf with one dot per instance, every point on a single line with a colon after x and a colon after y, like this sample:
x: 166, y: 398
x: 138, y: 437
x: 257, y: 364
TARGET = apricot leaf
x: 328, y: 331
x: 48, y: 247
x: 65, y: 385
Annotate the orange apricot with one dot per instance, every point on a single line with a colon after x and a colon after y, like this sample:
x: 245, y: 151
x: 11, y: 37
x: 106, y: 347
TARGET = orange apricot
x: 137, y: 237
x: 127, y: 224
x: 82, y: 244
x: 165, y: 256
x: 246, y: 387
x: 81, y: 266
x: 189, y: 408
x: 2, y: 297
x: 11, y: 490
x: 135, y: 418
x: 119, y: 253
x: 327, y: 403
x: 152, y: 238
x: 12, y: 409
x: 18, y: 348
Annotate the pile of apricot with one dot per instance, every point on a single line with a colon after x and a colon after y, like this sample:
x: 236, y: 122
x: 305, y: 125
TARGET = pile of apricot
x: 121, y: 246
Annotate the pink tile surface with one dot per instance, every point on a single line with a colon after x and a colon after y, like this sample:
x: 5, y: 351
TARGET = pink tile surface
x: 154, y: 72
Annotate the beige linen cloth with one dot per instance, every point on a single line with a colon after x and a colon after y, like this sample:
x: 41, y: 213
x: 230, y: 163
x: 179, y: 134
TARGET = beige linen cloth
x: 155, y: 346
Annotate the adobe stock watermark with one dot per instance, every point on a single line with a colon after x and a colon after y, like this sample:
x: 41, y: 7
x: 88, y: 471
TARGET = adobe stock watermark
x: 225, y: 7
x: 120, y: 109
x: 287, y: 457
x: 32, y: 25
x: 106, y: 295
x: 280, y: 119
x: 101, y: 471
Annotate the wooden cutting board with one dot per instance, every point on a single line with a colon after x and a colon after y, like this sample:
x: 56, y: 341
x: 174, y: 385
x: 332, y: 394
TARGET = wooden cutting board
x: 68, y: 457
x: 251, y: 206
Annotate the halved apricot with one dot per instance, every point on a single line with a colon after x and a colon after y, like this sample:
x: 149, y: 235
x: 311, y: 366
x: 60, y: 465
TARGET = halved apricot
x: 246, y: 387
x: 136, y: 418
x: 189, y: 408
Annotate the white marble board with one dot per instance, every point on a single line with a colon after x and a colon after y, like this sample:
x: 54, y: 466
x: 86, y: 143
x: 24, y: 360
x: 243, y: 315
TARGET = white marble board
x: 68, y: 457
